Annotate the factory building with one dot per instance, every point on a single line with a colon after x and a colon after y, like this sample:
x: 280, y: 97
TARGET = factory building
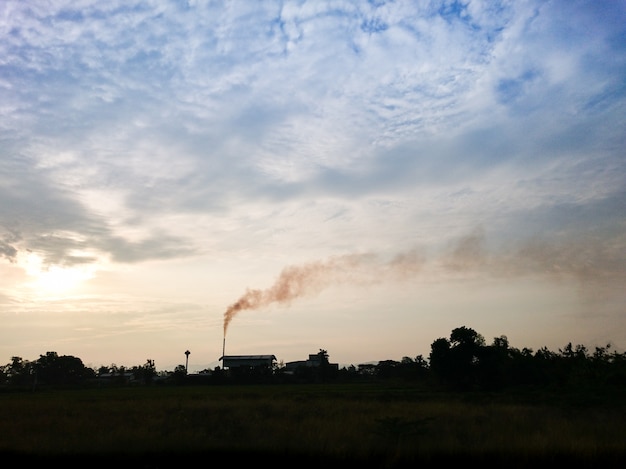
x: 247, y: 361
x: 314, y: 361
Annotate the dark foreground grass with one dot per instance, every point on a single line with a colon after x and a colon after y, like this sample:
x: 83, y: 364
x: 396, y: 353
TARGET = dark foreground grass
x: 305, y: 426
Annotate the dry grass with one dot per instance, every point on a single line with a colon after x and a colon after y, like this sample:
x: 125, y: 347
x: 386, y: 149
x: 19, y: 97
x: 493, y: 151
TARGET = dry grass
x: 343, y: 422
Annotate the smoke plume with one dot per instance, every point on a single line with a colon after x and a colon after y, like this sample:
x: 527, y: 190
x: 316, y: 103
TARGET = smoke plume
x: 591, y: 262
x: 307, y: 279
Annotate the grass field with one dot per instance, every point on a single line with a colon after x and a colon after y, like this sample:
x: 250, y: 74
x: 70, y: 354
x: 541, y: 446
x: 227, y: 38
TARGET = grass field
x: 368, y: 425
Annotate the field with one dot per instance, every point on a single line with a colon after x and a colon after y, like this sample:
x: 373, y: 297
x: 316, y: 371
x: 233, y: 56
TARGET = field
x: 367, y: 425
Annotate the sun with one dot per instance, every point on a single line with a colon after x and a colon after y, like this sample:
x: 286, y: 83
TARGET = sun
x: 61, y: 279
x: 53, y: 280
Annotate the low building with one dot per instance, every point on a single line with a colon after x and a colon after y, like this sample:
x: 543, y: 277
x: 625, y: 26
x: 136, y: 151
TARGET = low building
x: 247, y: 361
x: 126, y: 377
x: 314, y: 361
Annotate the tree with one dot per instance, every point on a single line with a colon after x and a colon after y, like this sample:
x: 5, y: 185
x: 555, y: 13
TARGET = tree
x: 65, y: 369
x: 180, y: 374
x: 411, y: 369
x: 465, y: 337
x: 146, y: 373
x: 323, y: 355
x: 386, y: 368
x: 494, y: 361
x: 19, y: 372
x: 440, y: 359
x: 455, y: 361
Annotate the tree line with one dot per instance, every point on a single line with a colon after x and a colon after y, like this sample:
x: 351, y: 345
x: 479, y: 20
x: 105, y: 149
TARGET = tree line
x: 463, y: 361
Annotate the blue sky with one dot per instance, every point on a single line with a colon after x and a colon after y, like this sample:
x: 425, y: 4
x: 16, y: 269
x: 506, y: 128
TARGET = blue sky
x: 417, y: 166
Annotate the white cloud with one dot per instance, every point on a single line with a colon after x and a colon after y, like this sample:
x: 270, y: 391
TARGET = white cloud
x: 281, y: 131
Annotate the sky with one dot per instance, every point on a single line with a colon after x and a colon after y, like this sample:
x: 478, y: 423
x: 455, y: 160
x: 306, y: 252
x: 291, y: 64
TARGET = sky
x: 281, y: 177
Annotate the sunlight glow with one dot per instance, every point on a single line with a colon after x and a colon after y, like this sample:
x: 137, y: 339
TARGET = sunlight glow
x: 51, y: 280
x: 62, y: 278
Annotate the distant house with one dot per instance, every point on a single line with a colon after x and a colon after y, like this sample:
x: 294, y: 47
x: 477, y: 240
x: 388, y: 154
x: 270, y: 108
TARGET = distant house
x: 314, y: 361
x: 247, y: 361
x: 120, y: 378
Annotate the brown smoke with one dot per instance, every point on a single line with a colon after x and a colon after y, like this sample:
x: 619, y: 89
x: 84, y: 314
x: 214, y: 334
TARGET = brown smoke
x: 298, y: 281
x: 592, y: 262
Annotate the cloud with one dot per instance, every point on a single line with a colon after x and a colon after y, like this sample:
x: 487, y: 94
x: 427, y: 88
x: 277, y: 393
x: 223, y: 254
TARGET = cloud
x: 179, y: 150
x: 183, y: 111
x: 7, y: 251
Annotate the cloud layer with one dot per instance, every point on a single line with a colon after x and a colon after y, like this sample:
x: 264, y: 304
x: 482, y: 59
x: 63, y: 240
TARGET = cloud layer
x: 283, y: 133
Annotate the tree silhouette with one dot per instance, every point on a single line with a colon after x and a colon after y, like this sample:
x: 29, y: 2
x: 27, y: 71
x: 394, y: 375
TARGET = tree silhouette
x: 144, y: 374
x: 455, y: 361
x: 19, y: 372
x: 441, y: 360
x: 323, y: 356
x: 65, y: 369
x: 460, y: 362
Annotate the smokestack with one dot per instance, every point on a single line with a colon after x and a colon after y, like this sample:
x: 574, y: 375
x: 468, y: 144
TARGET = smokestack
x: 223, y: 349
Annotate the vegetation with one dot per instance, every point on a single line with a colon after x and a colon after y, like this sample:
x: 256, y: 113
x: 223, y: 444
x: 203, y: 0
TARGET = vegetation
x: 490, y: 403
x: 462, y: 362
x: 380, y: 424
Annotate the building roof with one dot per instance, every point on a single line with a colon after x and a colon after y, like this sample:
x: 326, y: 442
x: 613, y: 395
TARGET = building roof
x: 248, y: 357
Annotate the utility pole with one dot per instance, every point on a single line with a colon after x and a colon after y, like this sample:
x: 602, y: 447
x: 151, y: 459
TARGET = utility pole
x: 187, y: 352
